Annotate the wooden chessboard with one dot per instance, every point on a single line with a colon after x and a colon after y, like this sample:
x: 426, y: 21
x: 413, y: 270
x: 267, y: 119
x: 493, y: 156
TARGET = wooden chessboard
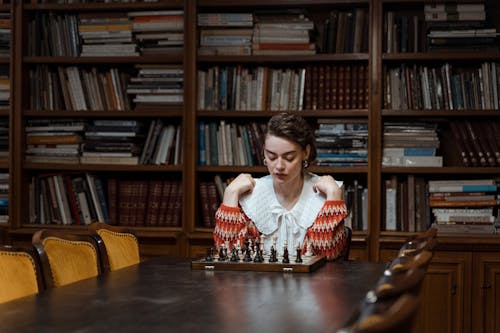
x: 308, y: 264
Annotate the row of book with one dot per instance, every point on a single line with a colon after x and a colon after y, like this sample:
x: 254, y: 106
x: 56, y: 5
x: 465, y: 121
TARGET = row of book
x: 74, y: 88
x: 443, y: 87
x: 102, y: 141
x: 411, y: 144
x: 342, y: 142
x: 67, y: 199
x: 477, y: 142
x: 224, y: 143
x: 346, y: 31
x: 147, y: 203
x: 4, y: 197
x: 102, y: 34
x: 403, y: 32
x: 313, y: 87
x: 413, y: 203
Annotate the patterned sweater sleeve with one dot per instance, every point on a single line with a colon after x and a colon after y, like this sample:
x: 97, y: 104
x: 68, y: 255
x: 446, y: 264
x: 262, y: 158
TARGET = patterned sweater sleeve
x: 233, y: 226
x: 327, y: 236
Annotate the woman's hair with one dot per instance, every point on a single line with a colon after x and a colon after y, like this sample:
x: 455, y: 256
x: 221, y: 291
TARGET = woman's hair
x: 294, y: 128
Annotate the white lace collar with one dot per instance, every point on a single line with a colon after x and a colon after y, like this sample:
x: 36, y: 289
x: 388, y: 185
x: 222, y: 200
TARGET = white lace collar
x: 270, y: 218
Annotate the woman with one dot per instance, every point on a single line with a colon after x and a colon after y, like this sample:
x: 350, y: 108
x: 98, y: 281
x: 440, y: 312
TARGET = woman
x: 290, y: 207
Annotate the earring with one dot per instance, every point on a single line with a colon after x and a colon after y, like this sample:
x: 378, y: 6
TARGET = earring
x: 305, y: 164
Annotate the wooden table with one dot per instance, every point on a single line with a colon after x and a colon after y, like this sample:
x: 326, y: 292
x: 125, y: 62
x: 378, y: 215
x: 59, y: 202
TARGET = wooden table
x: 162, y: 295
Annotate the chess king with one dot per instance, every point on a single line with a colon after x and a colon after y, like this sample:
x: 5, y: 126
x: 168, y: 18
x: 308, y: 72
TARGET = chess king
x: 290, y: 206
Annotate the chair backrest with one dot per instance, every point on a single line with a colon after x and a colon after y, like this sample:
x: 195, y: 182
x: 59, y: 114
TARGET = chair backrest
x: 20, y: 273
x: 403, y: 263
x: 395, y: 315
x: 347, y: 246
x: 118, y: 246
x: 417, y: 245
x: 66, y: 258
x: 397, y: 283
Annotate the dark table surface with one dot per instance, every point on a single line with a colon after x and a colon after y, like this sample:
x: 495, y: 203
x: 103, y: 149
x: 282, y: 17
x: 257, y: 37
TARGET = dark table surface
x: 163, y: 295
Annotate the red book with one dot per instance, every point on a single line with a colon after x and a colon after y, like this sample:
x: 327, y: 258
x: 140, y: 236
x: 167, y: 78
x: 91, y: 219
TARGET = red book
x: 112, y: 201
x: 177, y: 219
x: 205, y: 205
x: 75, y: 210
x: 155, y: 188
x: 165, y: 196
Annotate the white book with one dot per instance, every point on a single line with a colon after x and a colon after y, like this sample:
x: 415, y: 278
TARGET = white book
x: 95, y: 198
x: 60, y: 205
x: 390, y: 209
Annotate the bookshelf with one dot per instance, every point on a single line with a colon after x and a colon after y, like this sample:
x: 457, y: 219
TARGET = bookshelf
x: 463, y: 264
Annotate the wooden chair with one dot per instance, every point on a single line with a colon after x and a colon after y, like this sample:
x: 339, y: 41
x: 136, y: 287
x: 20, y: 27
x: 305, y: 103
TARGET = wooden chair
x: 403, y: 263
x: 394, y: 315
x: 20, y: 273
x: 395, y: 284
x: 118, y: 247
x: 66, y: 258
x: 423, y: 241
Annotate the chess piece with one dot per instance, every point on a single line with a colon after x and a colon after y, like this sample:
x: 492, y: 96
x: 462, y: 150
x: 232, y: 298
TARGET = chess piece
x: 286, y: 258
x: 247, y: 256
x: 221, y: 253
x: 298, y: 257
x: 210, y: 254
x: 234, y: 254
x: 309, y: 252
x: 273, y: 257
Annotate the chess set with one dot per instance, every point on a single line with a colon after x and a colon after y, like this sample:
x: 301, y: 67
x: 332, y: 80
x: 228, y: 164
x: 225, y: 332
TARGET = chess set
x: 248, y: 259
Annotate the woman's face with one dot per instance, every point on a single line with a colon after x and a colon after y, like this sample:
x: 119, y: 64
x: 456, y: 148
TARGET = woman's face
x: 284, y: 159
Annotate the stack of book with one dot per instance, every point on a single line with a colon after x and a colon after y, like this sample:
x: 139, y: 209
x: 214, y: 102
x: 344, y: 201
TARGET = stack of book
x: 477, y: 142
x: 459, y: 27
x: 106, y: 34
x: 159, y: 31
x: 4, y: 89
x: 112, y: 142
x: 464, y: 205
x: 4, y: 197
x: 5, y: 34
x: 346, y: 31
x: 53, y: 140
x: 157, y: 84
x: 411, y: 145
x: 225, y: 33
x: 342, y: 142
x: 283, y: 33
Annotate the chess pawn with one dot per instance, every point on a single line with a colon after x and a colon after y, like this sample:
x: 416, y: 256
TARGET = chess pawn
x: 309, y: 252
x: 221, y: 253
x: 247, y: 256
x: 234, y: 254
x: 210, y: 254
x: 298, y: 257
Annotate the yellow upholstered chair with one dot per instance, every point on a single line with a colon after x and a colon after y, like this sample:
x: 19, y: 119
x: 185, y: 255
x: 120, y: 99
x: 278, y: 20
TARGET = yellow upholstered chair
x: 118, y: 246
x: 20, y: 273
x: 66, y: 258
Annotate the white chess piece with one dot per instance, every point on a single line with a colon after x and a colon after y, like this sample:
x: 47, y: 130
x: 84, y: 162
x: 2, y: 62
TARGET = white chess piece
x: 309, y: 252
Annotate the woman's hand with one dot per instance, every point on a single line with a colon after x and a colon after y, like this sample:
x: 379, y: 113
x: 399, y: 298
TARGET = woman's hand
x: 242, y: 184
x: 328, y: 187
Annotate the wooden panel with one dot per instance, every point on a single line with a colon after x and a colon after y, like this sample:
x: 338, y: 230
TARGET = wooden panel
x: 486, y: 293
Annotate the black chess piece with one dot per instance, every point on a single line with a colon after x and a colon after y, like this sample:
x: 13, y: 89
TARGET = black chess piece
x: 221, y: 253
x: 298, y: 258
x: 234, y: 254
x: 286, y: 258
x: 258, y: 256
x: 247, y: 256
x: 210, y: 254
x: 272, y: 256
